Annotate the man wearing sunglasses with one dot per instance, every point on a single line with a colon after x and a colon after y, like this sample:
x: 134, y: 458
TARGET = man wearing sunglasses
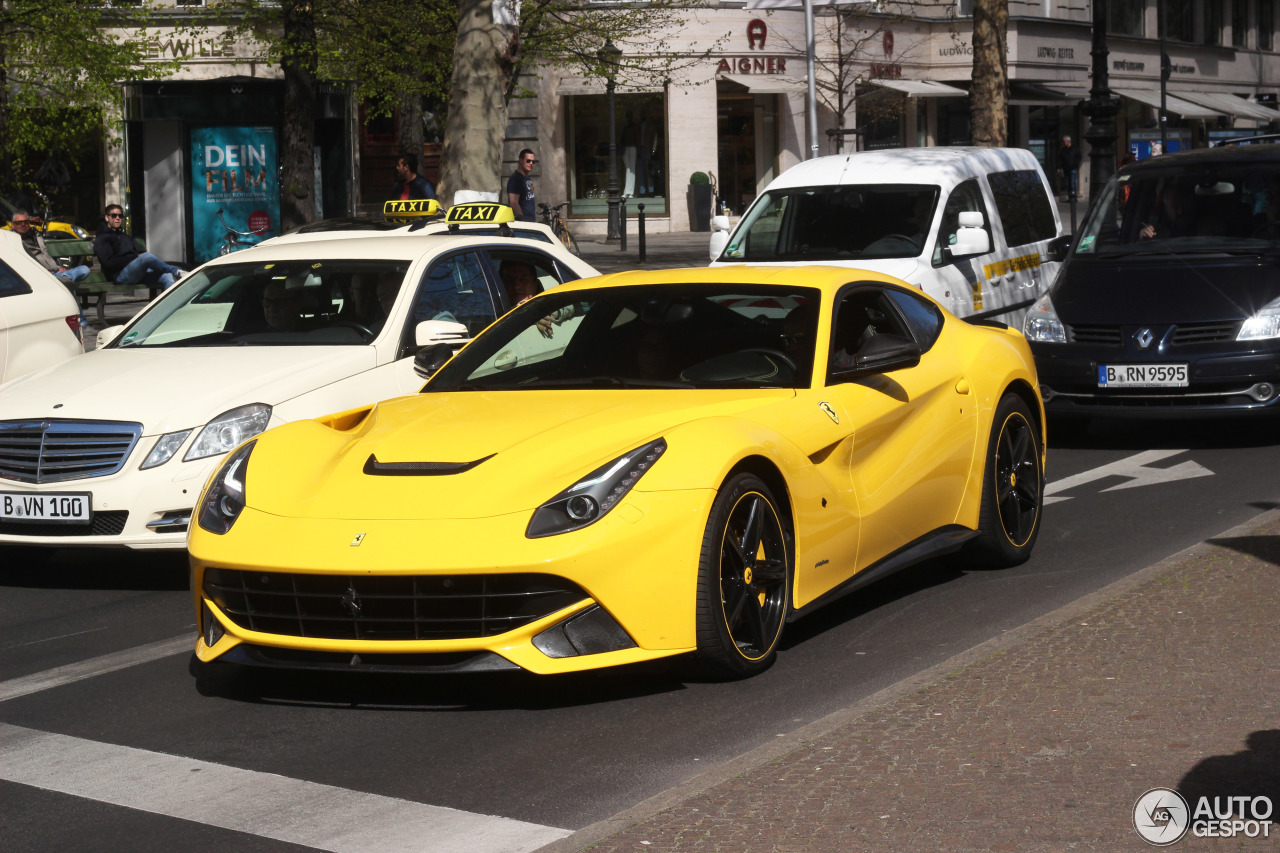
x: 520, y: 187
x: 120, y: 258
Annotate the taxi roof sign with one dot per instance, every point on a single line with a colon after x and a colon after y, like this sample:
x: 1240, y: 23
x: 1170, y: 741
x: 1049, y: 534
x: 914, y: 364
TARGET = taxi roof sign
x: 407, y: 209
x: 479, y: 211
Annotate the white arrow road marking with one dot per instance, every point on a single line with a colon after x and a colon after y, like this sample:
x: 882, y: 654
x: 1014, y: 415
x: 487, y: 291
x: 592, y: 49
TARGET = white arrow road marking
x: 15, y: 687
x: 263, y: 804
x: 1134, y: 468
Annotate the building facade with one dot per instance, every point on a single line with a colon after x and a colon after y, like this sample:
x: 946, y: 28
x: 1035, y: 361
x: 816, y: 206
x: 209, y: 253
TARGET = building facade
x: 896, y: 76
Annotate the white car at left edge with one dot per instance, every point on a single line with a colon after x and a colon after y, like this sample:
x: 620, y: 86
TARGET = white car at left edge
x: 111, y: 449
x: 39, y: 318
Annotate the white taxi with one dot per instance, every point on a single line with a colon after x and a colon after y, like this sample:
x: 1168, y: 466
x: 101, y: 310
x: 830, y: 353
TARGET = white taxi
x: 39, y: 318
x: 975, y: 228
x: 112, y: 449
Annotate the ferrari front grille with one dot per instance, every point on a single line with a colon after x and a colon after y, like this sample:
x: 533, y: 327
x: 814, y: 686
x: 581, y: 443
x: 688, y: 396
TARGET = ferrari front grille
x: 54, y: 451
x: 386, y: 607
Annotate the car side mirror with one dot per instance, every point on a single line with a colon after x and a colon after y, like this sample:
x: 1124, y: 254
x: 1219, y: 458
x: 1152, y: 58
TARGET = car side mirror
x: 971, y: 237
x: 430, y: 359
x: 1059, y: 247
x: 107, y: 335
x: 882, y: 354
x: 440, y: 332
x: 719, y: 239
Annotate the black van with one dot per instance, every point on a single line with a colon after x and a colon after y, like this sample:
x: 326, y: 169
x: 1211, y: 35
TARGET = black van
x: 1169, y: 302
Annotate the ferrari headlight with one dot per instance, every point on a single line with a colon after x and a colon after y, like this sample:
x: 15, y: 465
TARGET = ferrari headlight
x: 1042, y: 323
x: 590, y: 499
x: 165, y: 448
x: 222, y: 502
x: 228, y: 430
x: 1263, y: 325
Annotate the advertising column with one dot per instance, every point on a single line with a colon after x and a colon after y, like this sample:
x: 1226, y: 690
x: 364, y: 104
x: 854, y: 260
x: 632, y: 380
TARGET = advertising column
x: 235, y: 193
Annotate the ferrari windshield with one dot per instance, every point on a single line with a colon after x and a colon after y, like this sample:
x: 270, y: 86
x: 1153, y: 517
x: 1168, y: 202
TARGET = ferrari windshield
x: 815, y: 224
x: 1208, y: 207
x: 273, y: 303
x: 650, y: 336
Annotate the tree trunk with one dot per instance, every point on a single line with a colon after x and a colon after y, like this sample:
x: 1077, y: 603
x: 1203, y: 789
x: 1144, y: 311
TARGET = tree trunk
x: 297, y: 180
x: 483, y: 60
x: 989, y: 97
x: 410, y: 127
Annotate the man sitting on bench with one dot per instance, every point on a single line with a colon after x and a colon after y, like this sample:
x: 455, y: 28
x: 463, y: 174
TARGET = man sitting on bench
x: 120, y: 258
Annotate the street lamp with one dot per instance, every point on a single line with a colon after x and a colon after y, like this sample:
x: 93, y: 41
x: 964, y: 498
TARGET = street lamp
x: 609, y: 55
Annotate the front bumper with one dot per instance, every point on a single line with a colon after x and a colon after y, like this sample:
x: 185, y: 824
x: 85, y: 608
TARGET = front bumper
x: 131, y: 508
x: 1220, y: 382
x: 631, y: 578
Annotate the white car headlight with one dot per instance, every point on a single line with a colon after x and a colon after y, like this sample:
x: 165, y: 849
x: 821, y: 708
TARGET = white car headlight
x: 1263, y: 325
x: 166, y: 446
x: 229, y: 429
x: 590, y: 499
x: 224, y: 500
x: 1042, y: 323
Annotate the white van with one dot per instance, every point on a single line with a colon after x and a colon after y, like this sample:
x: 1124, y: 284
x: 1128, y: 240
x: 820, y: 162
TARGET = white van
x: 972, y: 227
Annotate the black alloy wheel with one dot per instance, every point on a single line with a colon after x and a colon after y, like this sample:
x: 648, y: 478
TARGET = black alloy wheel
x: 1013, y: 487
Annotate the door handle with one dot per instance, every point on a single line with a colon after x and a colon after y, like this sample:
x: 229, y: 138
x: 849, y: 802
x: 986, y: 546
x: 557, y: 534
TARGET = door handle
x: 962, y: 387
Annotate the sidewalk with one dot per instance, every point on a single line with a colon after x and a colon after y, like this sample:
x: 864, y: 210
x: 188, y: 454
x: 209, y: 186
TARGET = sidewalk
x: 1042, y: 739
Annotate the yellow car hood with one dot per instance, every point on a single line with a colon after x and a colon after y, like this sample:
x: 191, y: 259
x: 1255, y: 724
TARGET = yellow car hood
x: 523, y: 448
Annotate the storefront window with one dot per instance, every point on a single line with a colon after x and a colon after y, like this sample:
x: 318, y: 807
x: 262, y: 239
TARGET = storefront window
x: 1126, y: 17
x: 1239, y: 22
x: 1212, y: 23
x: 1266, y: 24
x: 1178, y: 20
x: 641, y: 147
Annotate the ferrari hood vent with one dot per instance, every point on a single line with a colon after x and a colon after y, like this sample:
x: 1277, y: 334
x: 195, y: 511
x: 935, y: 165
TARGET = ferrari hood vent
x: 419, y: 469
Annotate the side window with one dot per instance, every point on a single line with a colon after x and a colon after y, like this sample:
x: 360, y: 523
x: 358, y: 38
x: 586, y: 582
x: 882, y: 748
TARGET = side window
x: 454, y: 289
x: 965, y: 197
x: 1023, y: 206
x: 860, y: 315
x: 523, y: 274
x: 923, y: 317
x: 11, y: 284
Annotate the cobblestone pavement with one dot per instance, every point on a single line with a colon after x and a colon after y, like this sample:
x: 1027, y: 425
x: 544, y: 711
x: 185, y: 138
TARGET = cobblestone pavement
x: 1040, y: 740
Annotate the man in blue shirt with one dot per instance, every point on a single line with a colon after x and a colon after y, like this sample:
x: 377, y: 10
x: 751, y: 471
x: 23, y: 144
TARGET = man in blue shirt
x: 520, y: 188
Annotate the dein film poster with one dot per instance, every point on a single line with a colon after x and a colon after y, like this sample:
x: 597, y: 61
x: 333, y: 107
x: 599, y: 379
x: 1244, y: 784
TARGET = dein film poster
x: 234, y: 170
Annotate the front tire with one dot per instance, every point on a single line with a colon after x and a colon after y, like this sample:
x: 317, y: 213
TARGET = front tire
x: 1012, y: 488
x: 744, y: 581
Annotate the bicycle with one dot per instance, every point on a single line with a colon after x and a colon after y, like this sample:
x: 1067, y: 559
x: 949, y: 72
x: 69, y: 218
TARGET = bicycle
x: 231, y: 242
x: 552, y: 219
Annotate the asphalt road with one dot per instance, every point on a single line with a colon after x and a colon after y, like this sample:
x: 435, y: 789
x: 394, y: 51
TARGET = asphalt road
x: 147, y: 756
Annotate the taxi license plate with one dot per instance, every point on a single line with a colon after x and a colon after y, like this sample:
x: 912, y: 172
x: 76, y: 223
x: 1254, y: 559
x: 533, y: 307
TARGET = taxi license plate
x: 55, y: 508
x: 1142, y: 376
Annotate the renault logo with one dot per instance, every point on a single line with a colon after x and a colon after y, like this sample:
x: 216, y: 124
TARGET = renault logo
x: 1144, y: 338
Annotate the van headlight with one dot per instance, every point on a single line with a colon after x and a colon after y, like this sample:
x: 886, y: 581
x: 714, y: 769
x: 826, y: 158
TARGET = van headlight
x: 590, y: 499
x: 228, y: 430
x: 1262, y: 325
x: 1042, y: 323
x: 224, y: 499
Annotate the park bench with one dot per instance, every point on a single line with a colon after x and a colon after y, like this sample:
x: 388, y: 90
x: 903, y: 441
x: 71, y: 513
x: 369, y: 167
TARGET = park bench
x: 67, y: 252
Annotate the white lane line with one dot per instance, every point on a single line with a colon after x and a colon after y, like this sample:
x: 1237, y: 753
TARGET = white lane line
x: 1135, y: 471
x: 34, y: 683
x: 262, y: 804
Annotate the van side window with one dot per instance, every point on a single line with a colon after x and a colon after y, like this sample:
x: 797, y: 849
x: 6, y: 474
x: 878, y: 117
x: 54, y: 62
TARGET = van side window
x: 965, y: 197
x: 1023, y: 205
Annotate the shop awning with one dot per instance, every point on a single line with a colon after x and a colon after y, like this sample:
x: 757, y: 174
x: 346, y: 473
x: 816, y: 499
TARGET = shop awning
x: 1173, y: 104
x: 766, y: 84
x: 1225, y: 102
x: 1023, y: 94
x: 596, y: 86
x: 921, y: 88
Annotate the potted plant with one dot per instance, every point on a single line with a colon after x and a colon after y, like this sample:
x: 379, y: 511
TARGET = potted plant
x: 699, y: 202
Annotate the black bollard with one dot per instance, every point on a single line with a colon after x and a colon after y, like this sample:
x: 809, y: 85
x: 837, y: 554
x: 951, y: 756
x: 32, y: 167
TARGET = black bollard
x: 640, y: 231
x: 622, y: 225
